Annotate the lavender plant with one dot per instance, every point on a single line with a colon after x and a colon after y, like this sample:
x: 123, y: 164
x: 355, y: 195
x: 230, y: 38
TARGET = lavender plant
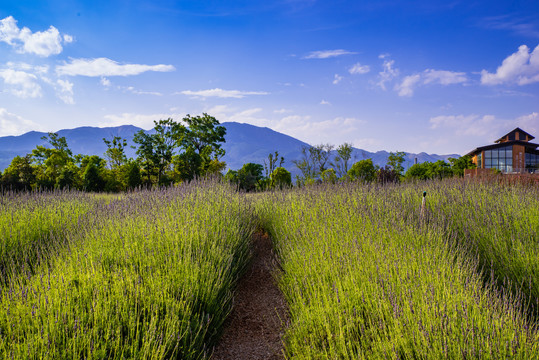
x: 366, y: 278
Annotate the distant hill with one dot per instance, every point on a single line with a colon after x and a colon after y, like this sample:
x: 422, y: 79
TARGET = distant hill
x: 244, y: 143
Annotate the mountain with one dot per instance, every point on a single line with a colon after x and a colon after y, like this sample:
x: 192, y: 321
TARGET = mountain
x: 244, y: 143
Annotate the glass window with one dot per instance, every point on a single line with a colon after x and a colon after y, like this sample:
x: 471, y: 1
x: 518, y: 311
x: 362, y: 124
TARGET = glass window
x: 479, y: 160
x: 495, y: 153
x: 488, y: 154
x: 509, y: 161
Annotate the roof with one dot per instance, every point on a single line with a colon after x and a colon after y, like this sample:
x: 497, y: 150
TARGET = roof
x: 499, y: 145
x: 513, y: 132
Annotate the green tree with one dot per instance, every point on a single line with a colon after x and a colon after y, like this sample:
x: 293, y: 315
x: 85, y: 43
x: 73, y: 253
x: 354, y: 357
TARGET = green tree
x: 50, y: 161
x: 341, y: 161
x: 460, y: 164
x: 132, y: 177
x: 281, y: 178
x: 271, y: 165
x: 363, y: 170
x: 92, y: 173
x: 395, y: 160
x: 249, y: 175
x: 156, y: 150
x: 328, y: 176
x: 201, y: 142
x: 115, y: 153
x: 19, y: 175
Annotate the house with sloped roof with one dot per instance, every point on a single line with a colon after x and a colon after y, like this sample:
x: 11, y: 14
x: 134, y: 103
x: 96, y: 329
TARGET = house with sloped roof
x: 512, y: 153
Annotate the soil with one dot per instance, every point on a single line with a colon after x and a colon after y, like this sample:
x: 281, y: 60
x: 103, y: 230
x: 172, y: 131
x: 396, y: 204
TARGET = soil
x: 259, y: 317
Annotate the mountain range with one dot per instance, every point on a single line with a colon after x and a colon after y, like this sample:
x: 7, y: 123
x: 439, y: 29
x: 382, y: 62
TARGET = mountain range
x: 244, y: 143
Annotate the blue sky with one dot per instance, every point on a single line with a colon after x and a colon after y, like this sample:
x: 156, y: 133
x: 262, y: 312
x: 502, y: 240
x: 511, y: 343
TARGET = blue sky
x: 434, y: 76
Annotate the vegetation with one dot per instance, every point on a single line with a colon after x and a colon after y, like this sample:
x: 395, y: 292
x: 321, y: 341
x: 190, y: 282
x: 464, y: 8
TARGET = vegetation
x: 365, y: 271
x: 147, y: 275
x: 367, y: 276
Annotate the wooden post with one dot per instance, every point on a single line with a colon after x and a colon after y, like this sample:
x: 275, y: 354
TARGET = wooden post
x: 423, y: 204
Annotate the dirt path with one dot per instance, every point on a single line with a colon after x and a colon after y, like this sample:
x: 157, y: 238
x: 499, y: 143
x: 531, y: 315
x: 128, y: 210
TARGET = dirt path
x: 255, y: 327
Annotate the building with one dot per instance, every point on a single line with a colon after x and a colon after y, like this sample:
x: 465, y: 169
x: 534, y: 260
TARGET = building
x: 512, y: 153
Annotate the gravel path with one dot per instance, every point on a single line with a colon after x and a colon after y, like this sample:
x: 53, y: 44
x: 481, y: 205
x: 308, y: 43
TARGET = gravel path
x: 259, y: 317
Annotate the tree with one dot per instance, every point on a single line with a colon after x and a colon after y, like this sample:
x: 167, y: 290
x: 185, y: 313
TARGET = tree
x: 428, y: 170
x: 320, y: 155
x: 281, y: 178
x: 92, y: 173
x: 115, y: 153
x: 249, y: 175
x: 156, y: 150
x: 51, y: 161
x: 395, y: 160
x: 270, y: 166
x: 363, y: 170
x: 328, y: 176
x: 201, y: 142
x: 387, y: 174
x: 19, y: 175
x: 132, y: 175
x: 460, y: 164
x: 341, y: 161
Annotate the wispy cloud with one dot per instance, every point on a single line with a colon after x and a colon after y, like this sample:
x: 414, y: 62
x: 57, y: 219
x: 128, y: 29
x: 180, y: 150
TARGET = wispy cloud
x: 145, y: 121
x: 337, y: 79
x: 406, y: 87
x: 220, y: 93
x: 22, y: 84
x: 429, y: 76
x: 388, y: 73
x: 106, y: 67
x: 359, y: 69
x: 521, y: 67
x: 41, y: 43
x: 520, y: 25
x: 326, y: 54
x: 11, y: 124
x: 65, y: 92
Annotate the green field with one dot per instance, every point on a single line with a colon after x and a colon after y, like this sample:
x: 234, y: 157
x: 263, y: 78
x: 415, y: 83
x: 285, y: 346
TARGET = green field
x: 365, y: 273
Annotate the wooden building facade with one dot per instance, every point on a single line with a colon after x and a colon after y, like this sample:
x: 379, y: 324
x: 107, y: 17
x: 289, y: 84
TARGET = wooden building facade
x: 512, y: 153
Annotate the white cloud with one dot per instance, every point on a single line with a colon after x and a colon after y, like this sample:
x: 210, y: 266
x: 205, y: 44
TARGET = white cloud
x: 145, y: 121
x: 529, y: 123
x: 132, y: 90
x: 388, y: 74
x: 337, y: 79
x: 24, y: 85
x: 521, y: 67
x: 11, y: 124
x: 324, y: 102
x: 220, y: 93
x: 105, y: 82
x: 359, y: 69
x: 42, y: 43
x: 66, y: 91
x: 443, y: 77
x: 406, y: 88
x: 325, y: 54
x: 101, y: 67
x: 429, y: 76
x: 282, y: 111
x: 38, y: 69
x: 466, y: 125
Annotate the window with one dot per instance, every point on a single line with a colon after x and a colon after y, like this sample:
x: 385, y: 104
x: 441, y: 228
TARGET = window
x: 500, y: 158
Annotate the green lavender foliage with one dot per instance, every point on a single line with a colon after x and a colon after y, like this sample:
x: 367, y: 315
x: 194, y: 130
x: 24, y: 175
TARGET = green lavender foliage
x: 366, y: 276
x: 150, y: 276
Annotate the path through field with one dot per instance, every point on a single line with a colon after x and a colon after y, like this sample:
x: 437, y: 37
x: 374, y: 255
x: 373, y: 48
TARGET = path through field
x: 255, y: 327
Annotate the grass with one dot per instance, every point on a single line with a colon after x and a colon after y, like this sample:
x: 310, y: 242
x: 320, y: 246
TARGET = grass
x: 151, y: 274
x: 366, y: 278
x: 150, y: 277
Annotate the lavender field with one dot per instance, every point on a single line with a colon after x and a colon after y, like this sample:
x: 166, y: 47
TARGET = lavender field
x: 366, y: 274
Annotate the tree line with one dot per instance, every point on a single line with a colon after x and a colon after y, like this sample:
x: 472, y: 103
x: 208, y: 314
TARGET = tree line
x: 177, y: 152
